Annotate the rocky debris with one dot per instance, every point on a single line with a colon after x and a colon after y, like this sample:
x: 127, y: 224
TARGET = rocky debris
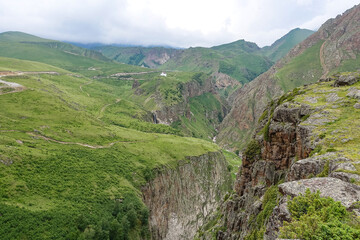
x: 347, y: 177
x: 309, y: 166
x: 332, y: 97
x: 342, y: 163
x: 291, y: 113
x: 311, y: 99
x: 353, y: 93
x: 357, y: 105
x: 346, y: 80
x: 328, y: 79
x: 337, y: 189
x: 5, y: 160
x: 319, y: 118
x: 135, y: 84
x: 276, y: 219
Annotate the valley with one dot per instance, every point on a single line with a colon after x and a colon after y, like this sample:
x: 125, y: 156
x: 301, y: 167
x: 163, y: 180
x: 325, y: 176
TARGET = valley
x: 226, y: 142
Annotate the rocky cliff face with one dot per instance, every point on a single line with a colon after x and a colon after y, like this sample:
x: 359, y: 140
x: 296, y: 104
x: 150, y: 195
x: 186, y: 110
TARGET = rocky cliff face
x: 181, y: 199
x: 339, y: 39
x: 304, y: 140
x: 168, y: 114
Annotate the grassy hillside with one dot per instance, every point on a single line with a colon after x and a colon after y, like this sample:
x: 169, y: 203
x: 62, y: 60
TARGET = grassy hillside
x: 87, y: 62
x: 241, y: 60
x: 235, y: 62
x: 303, y: 69
x: 140, y: 56
x: 283, y: 45
x: 66, y: 162
x: 206, y: 113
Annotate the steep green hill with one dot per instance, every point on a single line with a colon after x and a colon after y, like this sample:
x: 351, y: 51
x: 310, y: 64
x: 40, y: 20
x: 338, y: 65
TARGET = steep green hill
x: 238, y: 60
x: 241, y: 60
x: 283, y: 45
x: 141, y: 56
x: 68, y: 169
x: 90, y: 63
x: 331, y: 49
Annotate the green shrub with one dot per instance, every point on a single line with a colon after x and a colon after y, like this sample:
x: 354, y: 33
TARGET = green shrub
x: 317, y: 149
x: 303, y: 118
x: 268, y: 204
x: 325, y: 171
x: 315, y: 217
x: 322, y: 135
x: 253, y: 150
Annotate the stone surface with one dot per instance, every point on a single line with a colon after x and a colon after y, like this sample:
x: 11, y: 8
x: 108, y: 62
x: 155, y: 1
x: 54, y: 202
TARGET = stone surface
x: 347, y: 177
x: 337, y: 189
x: 310, y: 166
x: 353, y: 93
x: 311, y: 99
x: 345, y: 80
x: 357, y: 105
x: 276, y: 219
x: 332, y: 97
x: 180, y: 200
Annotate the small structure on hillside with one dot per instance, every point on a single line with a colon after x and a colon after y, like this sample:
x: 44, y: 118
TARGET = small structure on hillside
x: 163, y: 74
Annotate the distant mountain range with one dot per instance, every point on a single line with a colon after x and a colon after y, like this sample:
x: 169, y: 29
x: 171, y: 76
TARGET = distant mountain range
x: 240, y: 60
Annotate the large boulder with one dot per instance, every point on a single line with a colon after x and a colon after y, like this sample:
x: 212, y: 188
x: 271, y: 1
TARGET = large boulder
x: 337, y: 189
x: 346, y: 80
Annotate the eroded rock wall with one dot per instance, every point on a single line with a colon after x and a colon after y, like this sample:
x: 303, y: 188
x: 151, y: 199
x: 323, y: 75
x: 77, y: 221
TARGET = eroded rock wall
x: 181, y: 199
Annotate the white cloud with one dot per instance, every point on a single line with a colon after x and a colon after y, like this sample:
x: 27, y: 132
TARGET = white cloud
x: 181, y: 23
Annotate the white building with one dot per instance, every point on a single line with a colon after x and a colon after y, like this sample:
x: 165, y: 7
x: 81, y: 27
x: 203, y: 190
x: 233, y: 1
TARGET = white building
x: 163, y: 74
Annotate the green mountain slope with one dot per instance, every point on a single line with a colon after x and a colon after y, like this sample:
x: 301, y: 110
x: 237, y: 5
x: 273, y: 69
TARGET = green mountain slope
x: 90, y: 63
x: 65, y: 160
x: 141, y: 56
x: 283, y: 45
x: 239, y: 61
x: 331, y: 49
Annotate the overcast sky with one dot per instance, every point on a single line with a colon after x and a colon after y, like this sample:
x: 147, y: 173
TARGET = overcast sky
x: 178, y: 23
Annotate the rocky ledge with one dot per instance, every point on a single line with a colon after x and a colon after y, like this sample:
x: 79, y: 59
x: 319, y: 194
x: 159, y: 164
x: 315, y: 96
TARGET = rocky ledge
x: 307, y: 139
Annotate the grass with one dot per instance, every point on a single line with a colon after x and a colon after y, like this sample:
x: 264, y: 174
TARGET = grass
x: 341, y: 133
x: 234, y: 162
x: 302, y: 69
x: 44, y: 183
x: 206, y: 114
x: 238, y: 63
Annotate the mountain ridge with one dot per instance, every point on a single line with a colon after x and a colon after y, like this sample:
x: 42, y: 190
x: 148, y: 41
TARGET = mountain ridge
x: 302, y: 65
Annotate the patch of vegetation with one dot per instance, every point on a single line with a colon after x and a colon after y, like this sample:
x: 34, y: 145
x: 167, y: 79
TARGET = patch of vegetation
x: 303, y: 69
x: 76, y: 157
x: 234, y: 163
x: 253, y: 151
x: 258, y: 224
x: 325, y: 171
x: 316, y: 150
x: 315, y: 217
x: 205, y: 115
